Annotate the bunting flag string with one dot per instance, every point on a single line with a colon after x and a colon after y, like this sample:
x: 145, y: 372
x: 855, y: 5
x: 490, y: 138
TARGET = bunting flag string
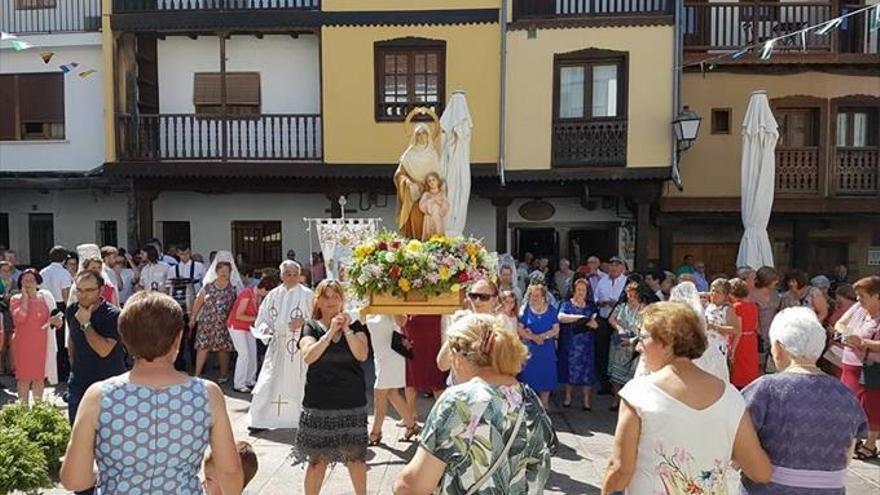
x: 765, y: 48
x: 46, y: 55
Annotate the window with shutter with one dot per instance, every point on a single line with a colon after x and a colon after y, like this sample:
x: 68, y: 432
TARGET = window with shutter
x: 410, y: 72
x: 242, y: 93
x: 36, y: 103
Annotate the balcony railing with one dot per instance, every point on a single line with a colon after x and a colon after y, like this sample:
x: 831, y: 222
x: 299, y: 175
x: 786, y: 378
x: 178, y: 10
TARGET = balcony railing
x: 713, y: 26
x: 589, y: 142
x: 60, y: 16
x: 797, y: 171
x: 856, y: 172
x: 128, y: 6
x: 568, y: 9
x: 182, y: 137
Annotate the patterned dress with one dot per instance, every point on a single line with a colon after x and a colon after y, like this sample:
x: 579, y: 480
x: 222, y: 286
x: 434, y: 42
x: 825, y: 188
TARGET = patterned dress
x: 622, y: 360
x: 576, y: 354
x: 468, y: 428
x: 212, y: 334
x: 152, y: 441
x: 806, y: 423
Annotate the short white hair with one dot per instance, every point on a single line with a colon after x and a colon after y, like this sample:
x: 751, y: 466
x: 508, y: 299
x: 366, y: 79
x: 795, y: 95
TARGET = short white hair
x: 290, y: 264
x: 798, y: 330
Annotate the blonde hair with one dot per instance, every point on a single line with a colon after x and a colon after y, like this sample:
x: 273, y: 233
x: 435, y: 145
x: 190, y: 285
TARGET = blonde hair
x: 325, y: 288
x: 485, y: 342
x: 676, y: 325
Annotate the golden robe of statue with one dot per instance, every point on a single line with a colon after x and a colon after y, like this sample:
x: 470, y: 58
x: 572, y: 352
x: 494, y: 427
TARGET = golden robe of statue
x: 419, y: 160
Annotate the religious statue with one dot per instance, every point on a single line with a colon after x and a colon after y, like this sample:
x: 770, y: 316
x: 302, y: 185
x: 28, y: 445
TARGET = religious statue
x: 434, y: 206
x: 419, y: 160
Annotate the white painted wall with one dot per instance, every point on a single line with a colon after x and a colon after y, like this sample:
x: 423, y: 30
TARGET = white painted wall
x: 289, y: 70
x: 83, y: 145
x: 75, y: 215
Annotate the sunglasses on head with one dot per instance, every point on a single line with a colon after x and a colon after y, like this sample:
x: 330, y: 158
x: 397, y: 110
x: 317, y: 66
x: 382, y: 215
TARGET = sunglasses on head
x: 481, y: 297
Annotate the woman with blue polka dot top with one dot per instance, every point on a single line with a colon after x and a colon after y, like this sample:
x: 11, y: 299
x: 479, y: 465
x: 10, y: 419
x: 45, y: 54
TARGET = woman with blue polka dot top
x: 148, y: 430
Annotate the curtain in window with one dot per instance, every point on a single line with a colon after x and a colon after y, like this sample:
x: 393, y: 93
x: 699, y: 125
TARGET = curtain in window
x: 605, y: 91
x: 571, y: 92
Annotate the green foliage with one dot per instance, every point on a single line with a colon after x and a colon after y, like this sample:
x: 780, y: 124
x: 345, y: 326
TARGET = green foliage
x: 23, y: 465
x: 41, y: 428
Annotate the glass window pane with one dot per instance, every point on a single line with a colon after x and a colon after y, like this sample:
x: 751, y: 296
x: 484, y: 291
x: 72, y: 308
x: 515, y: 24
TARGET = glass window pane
x: 420, y: 86
x: 571, y: 92
x: 420, y: 63
x: 432, y: 63
x: 860, y: 129
x: 841, y: 129
x: 401, y: 64
x: 605, y: 91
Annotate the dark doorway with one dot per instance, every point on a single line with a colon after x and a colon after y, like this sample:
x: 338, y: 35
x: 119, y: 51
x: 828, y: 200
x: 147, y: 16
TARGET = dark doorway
x: 4, y: 231
x: 176, y: 234
x: 258, y: 243
x: 540, y: 242
x: 585, y: 243
x: 825, y: 255
x: 41, y: 236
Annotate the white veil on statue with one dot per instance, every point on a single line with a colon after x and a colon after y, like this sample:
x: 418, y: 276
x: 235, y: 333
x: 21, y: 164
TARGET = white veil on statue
x: 84, y: 252
x: 234, y: 276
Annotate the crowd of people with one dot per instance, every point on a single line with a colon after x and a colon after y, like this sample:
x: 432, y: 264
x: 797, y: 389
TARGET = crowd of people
x: 704, y: 370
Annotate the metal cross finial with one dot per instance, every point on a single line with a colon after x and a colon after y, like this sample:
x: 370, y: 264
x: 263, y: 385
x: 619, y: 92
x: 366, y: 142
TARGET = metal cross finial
x: 342, y: 202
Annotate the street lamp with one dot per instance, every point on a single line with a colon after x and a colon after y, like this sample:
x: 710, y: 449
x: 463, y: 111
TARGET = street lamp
x: 687, y: 126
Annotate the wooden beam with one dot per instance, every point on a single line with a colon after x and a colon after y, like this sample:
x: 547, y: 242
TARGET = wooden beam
x: 501, y: 205
x: 643, y: 224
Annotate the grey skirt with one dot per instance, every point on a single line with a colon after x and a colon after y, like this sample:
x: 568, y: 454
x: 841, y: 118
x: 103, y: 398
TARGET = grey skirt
x: 330, y: 436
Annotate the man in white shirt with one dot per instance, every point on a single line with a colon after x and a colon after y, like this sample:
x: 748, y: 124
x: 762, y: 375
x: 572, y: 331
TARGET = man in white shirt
x: 187, y: 268
x: 154, y: 273
x: 57, y: 280
x: 607, y: 294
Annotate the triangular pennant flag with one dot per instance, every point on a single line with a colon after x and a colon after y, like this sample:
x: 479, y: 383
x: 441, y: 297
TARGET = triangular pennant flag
x: 21, y: 45
x: 86, y: 73
x: 73, y: 64
x: 833, y: 23
x: 46, y: 56
x: 739, y: 53
x: 7, y: 36
x: 65, y: 69
x: 768, y: 50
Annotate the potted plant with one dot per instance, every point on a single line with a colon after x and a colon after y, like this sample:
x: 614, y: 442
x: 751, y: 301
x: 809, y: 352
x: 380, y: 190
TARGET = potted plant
x: 32, y: 443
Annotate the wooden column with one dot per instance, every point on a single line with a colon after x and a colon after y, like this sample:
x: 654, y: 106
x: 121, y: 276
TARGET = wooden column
x: 224, y: 124
x: 501, y: 205
x: 800, y: 246
x: 667, y: 231
x: 132, y: 233
x: 643, y: 224
x: 144, y: 210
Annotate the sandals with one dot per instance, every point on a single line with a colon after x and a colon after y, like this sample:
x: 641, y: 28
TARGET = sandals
x: 863, y: 453
x: 411, y: 432
x: 375, y: 441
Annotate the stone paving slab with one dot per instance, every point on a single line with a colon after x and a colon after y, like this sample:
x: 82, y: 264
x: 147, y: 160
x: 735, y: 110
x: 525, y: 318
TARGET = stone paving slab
x: 586, y: 440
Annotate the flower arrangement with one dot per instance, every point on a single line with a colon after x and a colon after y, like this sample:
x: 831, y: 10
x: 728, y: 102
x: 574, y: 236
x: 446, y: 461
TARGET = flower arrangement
x: 395, y: 265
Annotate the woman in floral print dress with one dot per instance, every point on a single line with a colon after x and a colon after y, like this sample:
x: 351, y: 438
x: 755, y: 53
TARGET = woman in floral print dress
x: 210, y: 312
x: 469, y: 428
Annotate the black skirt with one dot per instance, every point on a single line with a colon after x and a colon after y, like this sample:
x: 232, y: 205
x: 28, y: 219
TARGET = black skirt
x: 330, y: 436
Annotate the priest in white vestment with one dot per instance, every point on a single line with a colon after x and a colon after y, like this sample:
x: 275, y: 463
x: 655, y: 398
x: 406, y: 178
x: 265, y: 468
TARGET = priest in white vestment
x: 277, y: 397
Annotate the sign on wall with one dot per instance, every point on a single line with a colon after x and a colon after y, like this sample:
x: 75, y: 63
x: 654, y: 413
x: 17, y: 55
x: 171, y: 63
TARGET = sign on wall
x: 874, y: 256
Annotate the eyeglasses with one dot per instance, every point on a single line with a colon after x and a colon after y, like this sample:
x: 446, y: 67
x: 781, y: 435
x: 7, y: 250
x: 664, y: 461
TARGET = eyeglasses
x: 473, y: 296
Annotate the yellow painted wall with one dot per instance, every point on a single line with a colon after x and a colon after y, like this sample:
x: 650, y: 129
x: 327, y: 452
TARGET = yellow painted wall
x: 351, y: 133
x: 373, y: 5
x: 711, y: 168
x: 530, y: 90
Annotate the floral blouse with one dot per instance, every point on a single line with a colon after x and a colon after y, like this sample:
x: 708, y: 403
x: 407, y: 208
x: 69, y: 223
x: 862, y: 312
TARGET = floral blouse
x: 469, y: 427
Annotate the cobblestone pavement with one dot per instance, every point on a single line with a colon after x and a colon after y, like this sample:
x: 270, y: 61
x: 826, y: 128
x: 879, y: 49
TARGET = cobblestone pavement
x: 586, y: 442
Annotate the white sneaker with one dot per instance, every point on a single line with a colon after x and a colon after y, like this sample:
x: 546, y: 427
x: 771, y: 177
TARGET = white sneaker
x: 245, y: 390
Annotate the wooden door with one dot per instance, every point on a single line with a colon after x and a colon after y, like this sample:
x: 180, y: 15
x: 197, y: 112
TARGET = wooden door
x: 719, y: 257
x: 41, y: 236
x: 258, y: 243
x: 798, y: 127
x: 825, y: 255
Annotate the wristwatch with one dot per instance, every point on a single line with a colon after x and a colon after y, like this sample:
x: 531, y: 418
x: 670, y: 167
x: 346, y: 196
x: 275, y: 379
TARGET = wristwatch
x: 87, y: 325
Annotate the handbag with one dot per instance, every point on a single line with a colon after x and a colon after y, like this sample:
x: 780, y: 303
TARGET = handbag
x: 398, y: 345
x: 502, y: 457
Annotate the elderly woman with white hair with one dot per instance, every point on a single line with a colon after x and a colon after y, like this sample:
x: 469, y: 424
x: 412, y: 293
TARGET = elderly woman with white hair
x: 807, y: 421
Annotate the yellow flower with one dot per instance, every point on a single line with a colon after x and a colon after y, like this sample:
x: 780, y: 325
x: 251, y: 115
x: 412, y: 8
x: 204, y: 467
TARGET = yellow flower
x: 444, y: 273
x: 414, y: 246
x: 472, y: 250
x: 403, y: 284
x: 363, y: 250
x: 455, y: 288
x: 437, y: 238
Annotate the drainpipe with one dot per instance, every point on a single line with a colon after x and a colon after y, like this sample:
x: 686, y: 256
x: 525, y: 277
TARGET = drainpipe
x: 678, y: 46
x: 502, y: 113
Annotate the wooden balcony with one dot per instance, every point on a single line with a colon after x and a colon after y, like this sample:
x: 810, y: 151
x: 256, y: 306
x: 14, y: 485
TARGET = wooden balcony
x: 800, y: 172
x: 578, y: 143
x: 65, y: 16
x: 232, y: 6
x: 729, y: 26
x: 190, y: 137
x: 574, y: 9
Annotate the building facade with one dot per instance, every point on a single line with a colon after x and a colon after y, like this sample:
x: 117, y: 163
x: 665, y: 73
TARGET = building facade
x: 826, y: 99
x: 225, y: 123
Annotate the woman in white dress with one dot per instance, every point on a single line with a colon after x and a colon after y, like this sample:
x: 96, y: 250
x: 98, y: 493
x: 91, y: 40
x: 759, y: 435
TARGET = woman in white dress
x: 714, y: 359
x: 390, y: 374
x: 723, y: 326
x: 680, y: 427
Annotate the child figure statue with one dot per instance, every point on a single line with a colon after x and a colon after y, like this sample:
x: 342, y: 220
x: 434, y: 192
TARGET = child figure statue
x: 434, y: 205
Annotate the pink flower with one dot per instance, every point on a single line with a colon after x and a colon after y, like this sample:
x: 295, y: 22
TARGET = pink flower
x: 472, y: 426
x: 680, y: 455
x: 663, y: 470
x: 513, y: 396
